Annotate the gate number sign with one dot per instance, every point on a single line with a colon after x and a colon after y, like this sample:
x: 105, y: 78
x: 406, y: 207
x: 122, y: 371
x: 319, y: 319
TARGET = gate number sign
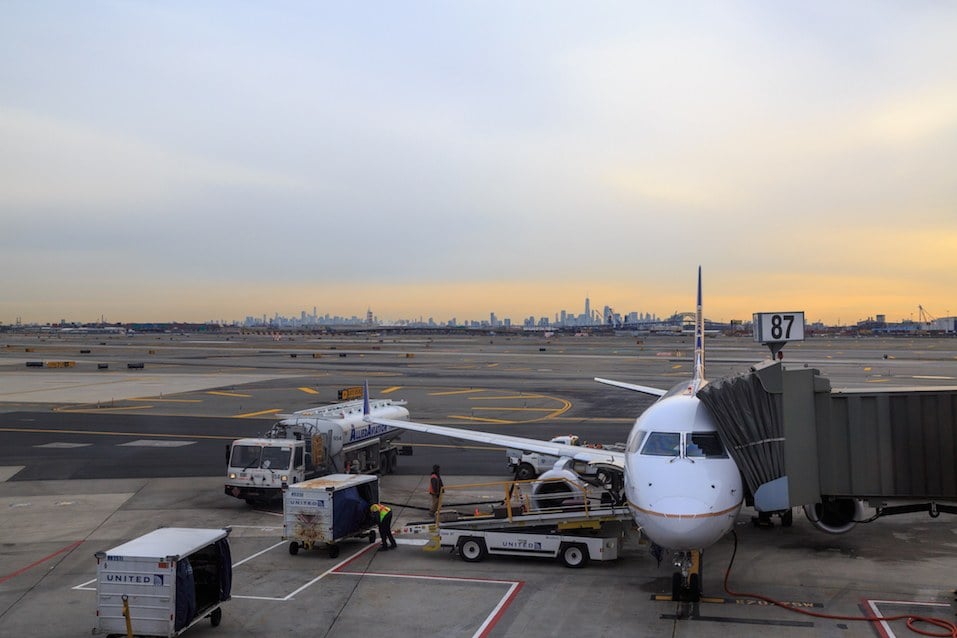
x: 778, y: 327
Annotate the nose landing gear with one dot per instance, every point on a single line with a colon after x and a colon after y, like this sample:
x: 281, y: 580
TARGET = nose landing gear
x: 686, y: 582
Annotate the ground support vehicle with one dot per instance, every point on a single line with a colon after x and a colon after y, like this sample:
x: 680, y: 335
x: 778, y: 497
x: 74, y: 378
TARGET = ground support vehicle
x: 163, y: 583
x: 314, y: 442
x: 321, y: 512
x: 565, y: 528
x: 528, y: 465
x: 574, y: 550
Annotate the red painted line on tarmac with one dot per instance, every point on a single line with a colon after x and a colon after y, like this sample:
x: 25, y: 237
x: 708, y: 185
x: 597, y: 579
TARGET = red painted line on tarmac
x: 68, y: 548
x: 338, y: 568
x: 502, y: 607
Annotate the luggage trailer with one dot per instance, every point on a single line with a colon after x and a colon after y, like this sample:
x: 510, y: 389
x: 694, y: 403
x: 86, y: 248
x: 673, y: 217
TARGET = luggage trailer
x: 574, y: 533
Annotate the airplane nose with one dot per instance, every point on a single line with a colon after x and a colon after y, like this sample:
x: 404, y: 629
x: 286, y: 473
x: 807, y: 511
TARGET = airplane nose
x: 680, y: 506
x: 679, y: 522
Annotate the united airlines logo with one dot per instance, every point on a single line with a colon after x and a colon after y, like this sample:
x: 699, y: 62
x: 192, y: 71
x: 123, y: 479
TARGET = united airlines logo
x: 522, y: 544
x: 139, y: 579
x: 367, y: 431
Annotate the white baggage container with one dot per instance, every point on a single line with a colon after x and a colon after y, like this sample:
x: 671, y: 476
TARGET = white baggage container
x: 322, y: 511
x: 168, y: 579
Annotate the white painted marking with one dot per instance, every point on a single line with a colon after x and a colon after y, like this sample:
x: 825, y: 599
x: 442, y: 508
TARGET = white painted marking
x: 64, y: 445
x: 155, y: 443
x: 909, y: 603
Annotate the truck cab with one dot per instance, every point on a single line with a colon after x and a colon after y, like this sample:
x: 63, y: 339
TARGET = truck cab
x: 528, y: 465
x: 258, y: 468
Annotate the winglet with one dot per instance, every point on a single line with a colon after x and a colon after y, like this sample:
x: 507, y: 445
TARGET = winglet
x: 698, y: 379
x: 366, y: 410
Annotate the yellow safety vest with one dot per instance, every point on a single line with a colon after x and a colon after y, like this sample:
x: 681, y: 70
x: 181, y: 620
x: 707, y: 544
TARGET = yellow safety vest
x: 381, y: 509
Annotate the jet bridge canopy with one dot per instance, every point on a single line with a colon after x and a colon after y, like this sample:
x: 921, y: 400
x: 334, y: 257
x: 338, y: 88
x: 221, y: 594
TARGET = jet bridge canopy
x: 796, y: 440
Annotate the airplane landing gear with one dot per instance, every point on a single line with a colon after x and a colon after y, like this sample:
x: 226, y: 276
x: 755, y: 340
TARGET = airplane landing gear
x: 686, y: 583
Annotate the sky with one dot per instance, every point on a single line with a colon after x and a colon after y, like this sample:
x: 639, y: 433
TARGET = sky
x: 196, y: 161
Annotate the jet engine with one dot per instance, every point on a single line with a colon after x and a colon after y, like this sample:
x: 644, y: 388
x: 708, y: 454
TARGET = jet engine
x: 836, y: 515
x: 558, y: 487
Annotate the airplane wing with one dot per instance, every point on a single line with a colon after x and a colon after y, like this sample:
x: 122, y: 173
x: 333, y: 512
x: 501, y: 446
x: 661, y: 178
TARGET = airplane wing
x: 658, y: 392
x: 579, y: 453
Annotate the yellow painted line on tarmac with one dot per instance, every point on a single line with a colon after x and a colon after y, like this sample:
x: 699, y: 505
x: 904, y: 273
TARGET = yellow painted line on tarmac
x: 878, y: 380
x: 492, y: 365
x: 480, y: 419
x: 167, y: 400
x: 676, y: 366
x: 588, y: 420
x: 508, y: 398
x: 867, y: 369
x: 260, y: 413
x: 139, y: 435
x: 451, y: 392
x: 92, y: 408
x: 309, y: 390
x: 391, y: 390
x: 503, y: 409
x: 229, y: 394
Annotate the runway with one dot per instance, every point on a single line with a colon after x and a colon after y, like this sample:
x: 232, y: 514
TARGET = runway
x: 91, y: 467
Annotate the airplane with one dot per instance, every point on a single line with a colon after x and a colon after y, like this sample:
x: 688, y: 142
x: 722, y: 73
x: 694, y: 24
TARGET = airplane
x: 682, y: 487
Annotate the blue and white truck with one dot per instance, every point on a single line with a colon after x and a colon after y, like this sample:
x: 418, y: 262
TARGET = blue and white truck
x: 315, y: 442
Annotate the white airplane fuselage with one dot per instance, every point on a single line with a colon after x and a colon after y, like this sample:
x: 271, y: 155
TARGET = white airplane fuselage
x: 684, y: 500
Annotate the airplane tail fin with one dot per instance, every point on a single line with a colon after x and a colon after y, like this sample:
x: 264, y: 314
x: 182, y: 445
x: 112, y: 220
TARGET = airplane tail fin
x: 366, y: 410
x: 698, y: 379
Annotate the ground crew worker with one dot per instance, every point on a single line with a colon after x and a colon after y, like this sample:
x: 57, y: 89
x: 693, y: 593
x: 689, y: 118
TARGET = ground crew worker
x: 435, y: 489
x: 384, y: 519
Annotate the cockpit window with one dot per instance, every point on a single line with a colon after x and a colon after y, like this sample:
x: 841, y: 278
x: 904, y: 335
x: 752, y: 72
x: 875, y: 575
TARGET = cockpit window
x: 705, y: 444
x: 662, y: 444
x: 634, y: 440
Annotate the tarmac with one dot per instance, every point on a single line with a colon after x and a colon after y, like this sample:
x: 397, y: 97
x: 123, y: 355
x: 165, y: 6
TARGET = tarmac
x: 50, y: 529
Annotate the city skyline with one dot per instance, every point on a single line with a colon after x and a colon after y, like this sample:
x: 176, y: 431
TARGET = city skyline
x: 183, y: 161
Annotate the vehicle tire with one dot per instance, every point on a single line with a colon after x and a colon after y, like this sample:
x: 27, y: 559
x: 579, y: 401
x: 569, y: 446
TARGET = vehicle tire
x: 676, y: 586
x: 216, y: 617
x: 472, y: 550
x: 333, y: 551
x: 371, y: 536
x: 393, y: 460
x: 787, y: 518
x: 294, y: 548
x: 525, y: 472
x: 574, y: 555
x: 384, y: 464
x: 694, y: 588
x: 251, y: 502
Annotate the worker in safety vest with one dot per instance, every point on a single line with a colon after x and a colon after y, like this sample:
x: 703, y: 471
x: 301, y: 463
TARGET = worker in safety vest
x: 435, y: 489
x: 383, y: 516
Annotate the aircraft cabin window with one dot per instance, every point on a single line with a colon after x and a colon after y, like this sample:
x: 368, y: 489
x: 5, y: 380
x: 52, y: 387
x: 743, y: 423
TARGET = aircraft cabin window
x: 705, y: 444
x: 662, y: 444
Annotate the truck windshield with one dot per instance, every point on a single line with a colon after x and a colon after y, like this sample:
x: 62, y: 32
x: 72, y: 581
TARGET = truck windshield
x: 245, y: 456
x: 255, y: 456
x: 276, y: 458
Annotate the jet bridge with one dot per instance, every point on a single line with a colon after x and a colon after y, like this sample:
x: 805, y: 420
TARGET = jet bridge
x: 798, y: 442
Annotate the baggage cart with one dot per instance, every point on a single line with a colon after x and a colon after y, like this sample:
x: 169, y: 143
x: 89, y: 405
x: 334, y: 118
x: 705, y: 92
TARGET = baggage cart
x: 323, y: 511
x: 164, y: 582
